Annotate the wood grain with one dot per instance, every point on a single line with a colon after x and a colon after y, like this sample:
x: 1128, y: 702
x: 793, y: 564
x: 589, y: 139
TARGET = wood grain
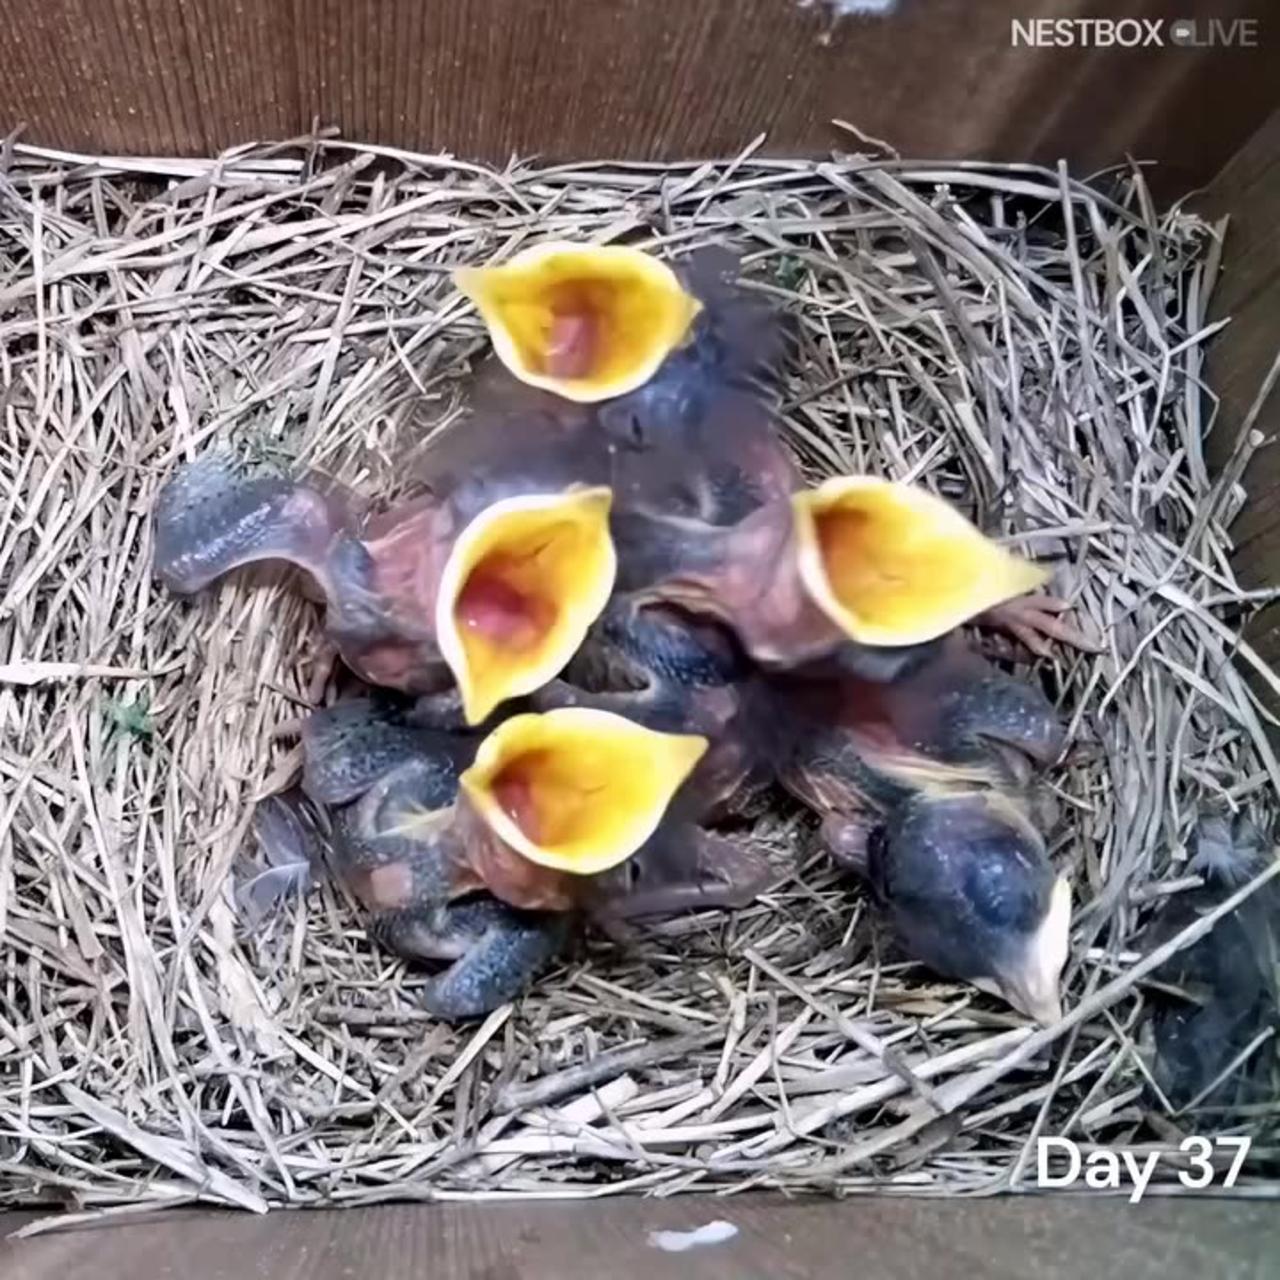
x: 1248, y: 189
x: 1049, y: 1237
x: 635, y: 79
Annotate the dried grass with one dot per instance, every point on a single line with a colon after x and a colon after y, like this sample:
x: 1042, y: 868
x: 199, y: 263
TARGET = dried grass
x: 1022, y: 341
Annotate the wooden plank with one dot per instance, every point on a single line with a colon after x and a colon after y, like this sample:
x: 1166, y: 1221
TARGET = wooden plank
x: 1049, y: 1237
x: 623, y: 78
x: 1249, y: 190
x: 148, y: 77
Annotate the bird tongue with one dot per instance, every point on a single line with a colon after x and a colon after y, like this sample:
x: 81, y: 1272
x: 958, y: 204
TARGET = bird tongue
x: 571, y: 346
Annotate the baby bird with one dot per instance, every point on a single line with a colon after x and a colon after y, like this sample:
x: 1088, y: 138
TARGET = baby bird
x: 482, y: 851
x: 924, y: 787
x: 862, y: 571
x: 494, y: 587
x: 1211, y: 1042
x: 692, y: 439
x: 423, y: 905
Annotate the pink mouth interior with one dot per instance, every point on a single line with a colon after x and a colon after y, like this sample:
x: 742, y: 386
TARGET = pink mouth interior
x: 494, y: 609
x: 513, y: 791
x: 571, y: 345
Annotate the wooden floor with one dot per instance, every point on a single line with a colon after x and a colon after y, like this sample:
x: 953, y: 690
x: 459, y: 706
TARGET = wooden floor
x: 1030, y: 1238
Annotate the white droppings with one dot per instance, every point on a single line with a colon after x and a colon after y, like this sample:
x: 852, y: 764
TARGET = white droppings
x: 716, y: 1232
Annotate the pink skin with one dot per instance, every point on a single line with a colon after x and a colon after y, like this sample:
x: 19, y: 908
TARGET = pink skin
x: 1034, y: 621
x: 746, y: 576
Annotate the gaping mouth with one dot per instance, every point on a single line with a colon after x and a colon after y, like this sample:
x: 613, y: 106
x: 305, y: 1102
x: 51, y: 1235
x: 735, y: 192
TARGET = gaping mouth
x: 587, y: 322
x: 522, y: 585
x: 892, y: 564
x: 575, y: 789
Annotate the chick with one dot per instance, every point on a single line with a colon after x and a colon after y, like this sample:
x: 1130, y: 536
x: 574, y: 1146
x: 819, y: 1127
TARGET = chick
x: 867, y: 571
x: 924, y: 787
x: 693, y: 438
x: 495, y: 586
x: 1227, y: 980
x: 560, y: 814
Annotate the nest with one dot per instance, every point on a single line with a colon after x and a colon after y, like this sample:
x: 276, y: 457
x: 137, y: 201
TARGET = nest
x: 1026, y: 344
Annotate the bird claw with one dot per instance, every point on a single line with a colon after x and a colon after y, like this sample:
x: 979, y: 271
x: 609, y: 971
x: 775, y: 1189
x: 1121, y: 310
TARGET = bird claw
x: 1034, y: 622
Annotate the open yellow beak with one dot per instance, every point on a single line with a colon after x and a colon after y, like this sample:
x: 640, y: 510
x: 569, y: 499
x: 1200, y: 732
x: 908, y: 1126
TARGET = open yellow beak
x: 575, y: 789
x: 587, y: 322
x: 892, y: 564
x: 522, y: 585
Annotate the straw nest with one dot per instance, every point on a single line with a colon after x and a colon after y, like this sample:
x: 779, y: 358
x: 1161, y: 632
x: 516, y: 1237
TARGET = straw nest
x: 1030, y: 345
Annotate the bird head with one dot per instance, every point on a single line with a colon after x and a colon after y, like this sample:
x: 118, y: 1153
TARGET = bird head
x: 523, y: 582
x: 893, y: 564
x: 588, y: 322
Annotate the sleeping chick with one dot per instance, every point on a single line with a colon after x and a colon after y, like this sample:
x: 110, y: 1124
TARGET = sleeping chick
x: 924, y: 784
x: 1228, y: 979
x: 964, y: 878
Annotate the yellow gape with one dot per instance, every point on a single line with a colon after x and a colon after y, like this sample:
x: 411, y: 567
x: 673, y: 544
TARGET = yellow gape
x: 892, y: 564
x: 577, y: 790
x: 587, y: 322
x: 522, y: 585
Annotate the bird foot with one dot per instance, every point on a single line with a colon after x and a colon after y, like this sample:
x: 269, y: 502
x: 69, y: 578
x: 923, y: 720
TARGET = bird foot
x: 1035, y: 621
